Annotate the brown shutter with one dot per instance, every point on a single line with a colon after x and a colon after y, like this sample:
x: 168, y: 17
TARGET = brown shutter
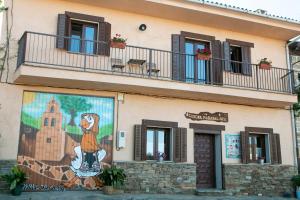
x: 275, y: 149
x: 176, y: 145
x: 246, y: 58
x: 62, y: 27
x: 138, y: 141
x: 226, y: 56
x: 178, y: 57
x: 217, y: 71
x: 104, y: 37
x: 245, y: 147
x: 183, y: 144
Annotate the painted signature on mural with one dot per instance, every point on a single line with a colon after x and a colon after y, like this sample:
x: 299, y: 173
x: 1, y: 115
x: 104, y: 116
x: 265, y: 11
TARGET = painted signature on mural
x: 34, y: 187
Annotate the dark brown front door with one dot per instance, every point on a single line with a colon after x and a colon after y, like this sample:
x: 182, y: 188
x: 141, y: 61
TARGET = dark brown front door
x: 205, y: 160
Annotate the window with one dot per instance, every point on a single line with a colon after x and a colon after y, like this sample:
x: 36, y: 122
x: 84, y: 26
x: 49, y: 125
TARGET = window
x: 258, y: 143
x: 52, y: 109
x: 53, y: 122
x: 158, y: 142
x: 48, y: 140
x: 46, y: 122
x: 258, y: 147
x: 195, y: 70
x: 82, y: 36
x: 236, y: 59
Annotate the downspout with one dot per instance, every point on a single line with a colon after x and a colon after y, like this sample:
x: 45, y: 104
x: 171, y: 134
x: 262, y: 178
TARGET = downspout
x: 294, y: 132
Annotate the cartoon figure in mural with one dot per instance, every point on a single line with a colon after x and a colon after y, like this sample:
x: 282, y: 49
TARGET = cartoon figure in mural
x: 89, y: 154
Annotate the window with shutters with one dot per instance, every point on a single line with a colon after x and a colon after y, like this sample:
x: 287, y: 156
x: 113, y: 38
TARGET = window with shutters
x: 260, y: 143
x: 82, y: 37
x: 153, y: 137
x: 237, y: 57
x: 80, y: 33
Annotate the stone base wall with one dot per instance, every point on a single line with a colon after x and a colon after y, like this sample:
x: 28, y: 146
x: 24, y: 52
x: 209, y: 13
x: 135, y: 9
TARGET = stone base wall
x: 156, y: 177
x: 5, y: 167
x: 254, y: 179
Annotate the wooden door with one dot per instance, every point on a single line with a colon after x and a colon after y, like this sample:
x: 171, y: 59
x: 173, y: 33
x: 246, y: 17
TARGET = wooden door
x: 205, y: 160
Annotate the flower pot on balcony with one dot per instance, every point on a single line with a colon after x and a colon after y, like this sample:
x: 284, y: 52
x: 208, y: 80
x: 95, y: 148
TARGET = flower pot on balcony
x: 266, y: 66
x: 200, y: 56
x: 119, y: 45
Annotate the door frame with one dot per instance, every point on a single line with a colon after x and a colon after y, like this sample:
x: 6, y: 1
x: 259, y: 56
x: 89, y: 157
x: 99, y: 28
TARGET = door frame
x: 215, y: 130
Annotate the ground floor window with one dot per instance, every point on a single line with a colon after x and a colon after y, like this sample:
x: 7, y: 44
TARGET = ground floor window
x: 258, y: 147
x: 158, y: 142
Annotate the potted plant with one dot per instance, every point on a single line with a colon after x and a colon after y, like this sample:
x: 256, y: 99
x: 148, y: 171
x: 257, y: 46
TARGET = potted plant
x: 296, y: 183
x: 203, y: 54
x: 261, y: 160
x: 161, y: 156
x: 265, y: 64
x: 16, y: 178
x: 112, y: 178
x: 118, y: 42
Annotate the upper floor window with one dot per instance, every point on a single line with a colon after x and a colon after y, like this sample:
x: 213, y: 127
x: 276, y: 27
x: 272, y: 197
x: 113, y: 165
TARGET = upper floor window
x: 83, y: 36
x: 82, y: 33
x: 236, y: 58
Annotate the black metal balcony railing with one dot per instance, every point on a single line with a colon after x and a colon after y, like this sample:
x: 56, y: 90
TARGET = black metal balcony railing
x: 85, y: 55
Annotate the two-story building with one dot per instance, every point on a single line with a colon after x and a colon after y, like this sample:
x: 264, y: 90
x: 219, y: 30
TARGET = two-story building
x: 175, y: 121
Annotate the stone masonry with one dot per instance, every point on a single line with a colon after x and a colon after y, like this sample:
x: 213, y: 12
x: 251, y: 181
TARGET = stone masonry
x: 159, y: 177
x: 254, y: 179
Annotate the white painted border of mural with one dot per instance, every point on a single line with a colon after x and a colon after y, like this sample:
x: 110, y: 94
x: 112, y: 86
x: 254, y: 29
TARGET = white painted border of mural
x: 232, y: 146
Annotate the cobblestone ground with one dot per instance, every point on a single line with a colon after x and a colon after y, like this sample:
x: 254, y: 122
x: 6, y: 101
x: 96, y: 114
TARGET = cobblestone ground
x: 88, y: 195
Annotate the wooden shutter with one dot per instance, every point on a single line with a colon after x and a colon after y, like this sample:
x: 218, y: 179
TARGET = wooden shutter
x: 275, y: 149
x: 217, y: 71
x: 226, y: 56
x: 246, y: 58
x: 176, y: 145
x: 180, y: 145
x: 244, y: 147
x: 178, y: 57
x: 104, y: 37
x: 62, y: 26
x: 183, y: 144
x: 137, y: 142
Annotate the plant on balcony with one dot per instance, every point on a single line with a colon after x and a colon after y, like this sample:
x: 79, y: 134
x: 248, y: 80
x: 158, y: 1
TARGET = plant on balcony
x: 112, y: 178
x: 118, y: 42
x: 265, y: 63
x: 16, y: 178
x: 203, y: 54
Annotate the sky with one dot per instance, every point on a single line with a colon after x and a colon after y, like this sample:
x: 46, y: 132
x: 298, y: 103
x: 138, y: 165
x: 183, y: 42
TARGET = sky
x: 285, y: 8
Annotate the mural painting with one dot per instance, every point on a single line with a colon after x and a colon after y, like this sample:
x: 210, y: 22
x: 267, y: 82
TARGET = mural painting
x: 65, y: 140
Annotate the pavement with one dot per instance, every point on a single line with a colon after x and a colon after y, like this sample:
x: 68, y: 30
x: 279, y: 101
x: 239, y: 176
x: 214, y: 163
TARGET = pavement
x: 96, y: 195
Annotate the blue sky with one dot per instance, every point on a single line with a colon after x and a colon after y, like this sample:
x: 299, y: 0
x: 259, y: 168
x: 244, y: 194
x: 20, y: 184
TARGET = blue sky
x: 285, y: 8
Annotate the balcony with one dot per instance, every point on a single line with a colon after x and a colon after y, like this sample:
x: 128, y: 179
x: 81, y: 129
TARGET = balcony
x: 94, y: 65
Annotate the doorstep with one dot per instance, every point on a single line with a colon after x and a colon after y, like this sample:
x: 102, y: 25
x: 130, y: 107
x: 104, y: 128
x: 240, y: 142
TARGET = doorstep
x: 213, y: 192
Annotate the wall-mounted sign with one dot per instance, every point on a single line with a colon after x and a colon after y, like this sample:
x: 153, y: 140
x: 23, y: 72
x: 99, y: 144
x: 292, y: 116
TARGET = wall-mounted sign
x: 217, y: 116
x: 232, y: 145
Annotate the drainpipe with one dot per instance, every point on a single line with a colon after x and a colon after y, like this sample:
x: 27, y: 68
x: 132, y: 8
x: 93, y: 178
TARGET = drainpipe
x: 294, y: 132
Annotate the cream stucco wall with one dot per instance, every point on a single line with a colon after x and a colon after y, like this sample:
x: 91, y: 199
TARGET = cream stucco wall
x: 134, y: 108
x: 41, y: 16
